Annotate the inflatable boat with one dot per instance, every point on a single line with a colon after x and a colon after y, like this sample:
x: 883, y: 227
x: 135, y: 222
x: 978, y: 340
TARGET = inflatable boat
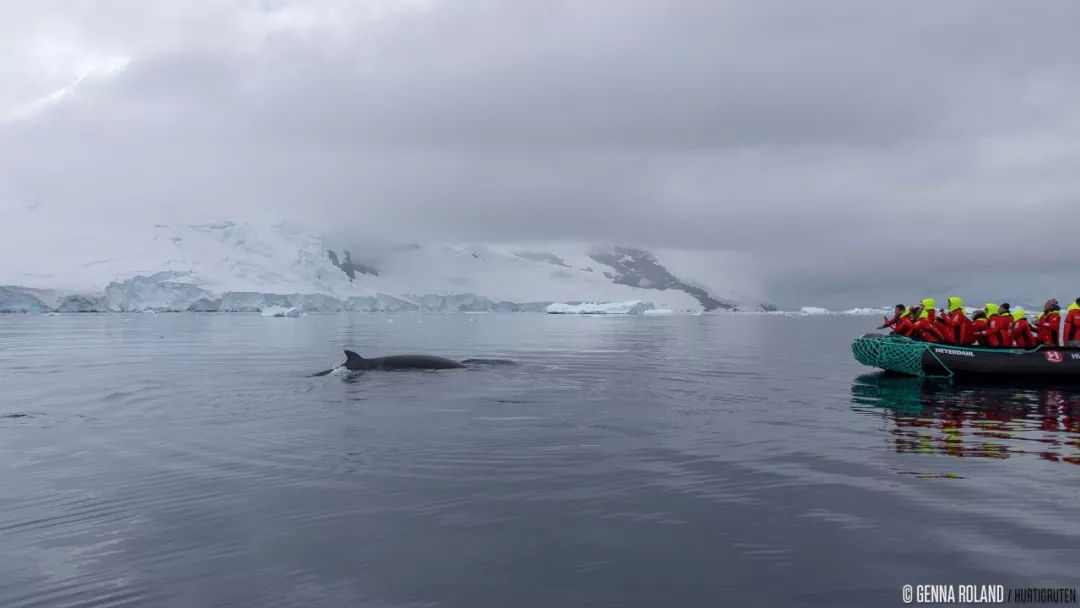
x: 902, y: 355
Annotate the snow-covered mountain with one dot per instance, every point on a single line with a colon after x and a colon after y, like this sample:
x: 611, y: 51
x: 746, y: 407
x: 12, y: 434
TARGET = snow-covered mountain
x: 233, y: 266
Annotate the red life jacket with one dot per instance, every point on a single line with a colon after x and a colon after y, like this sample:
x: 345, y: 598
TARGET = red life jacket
x: 1049, y: 328
x: 925, y: 329
x: 1072, y: 323
x: 943, y: 330
x: 1004, y: 325
x: 956, y: 327
x: 905, y: 327
x: 1021, y: 334
x: 978, y: 331
x: 967, y: 335
x: 993, y: 330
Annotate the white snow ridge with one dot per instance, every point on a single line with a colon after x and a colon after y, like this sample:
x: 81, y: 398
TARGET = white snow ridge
x: 224, y: 266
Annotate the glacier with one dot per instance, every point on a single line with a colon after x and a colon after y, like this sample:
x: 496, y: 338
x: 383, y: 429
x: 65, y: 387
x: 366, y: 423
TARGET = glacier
x: 161, y: 292
x: 224, y: 266
x: 252, y: 301
x: 83, y: 303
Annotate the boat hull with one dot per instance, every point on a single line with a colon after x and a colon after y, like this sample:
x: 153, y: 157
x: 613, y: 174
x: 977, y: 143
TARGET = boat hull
x: 911, y: 357
x: 1038, y: 362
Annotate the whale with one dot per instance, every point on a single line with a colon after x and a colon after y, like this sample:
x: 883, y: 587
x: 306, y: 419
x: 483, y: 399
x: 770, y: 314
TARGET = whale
x: 355, y: 363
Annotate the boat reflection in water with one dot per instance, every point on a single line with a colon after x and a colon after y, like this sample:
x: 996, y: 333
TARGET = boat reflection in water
x: 974, y: 420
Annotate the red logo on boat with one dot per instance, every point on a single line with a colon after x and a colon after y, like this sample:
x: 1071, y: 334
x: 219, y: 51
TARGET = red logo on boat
x: 1053, y: 356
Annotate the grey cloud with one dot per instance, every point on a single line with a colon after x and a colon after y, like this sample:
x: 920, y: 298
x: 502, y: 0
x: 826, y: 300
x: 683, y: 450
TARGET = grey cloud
x: 838, y: 142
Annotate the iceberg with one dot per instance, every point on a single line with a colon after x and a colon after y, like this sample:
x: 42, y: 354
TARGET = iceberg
x: 658, y: 312
x: 813, y: 310
x: 281, y: 311
x: 631, y: 307
x: 13, y: 300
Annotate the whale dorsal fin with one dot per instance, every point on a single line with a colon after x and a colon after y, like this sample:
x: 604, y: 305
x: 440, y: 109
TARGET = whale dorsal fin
x: 353, y: 360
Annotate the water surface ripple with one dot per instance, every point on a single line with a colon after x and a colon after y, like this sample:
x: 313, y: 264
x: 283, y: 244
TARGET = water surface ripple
x: 189, y: 460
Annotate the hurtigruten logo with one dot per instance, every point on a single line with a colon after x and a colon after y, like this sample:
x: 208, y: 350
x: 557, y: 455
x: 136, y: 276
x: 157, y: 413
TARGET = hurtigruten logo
x: 953, y: 351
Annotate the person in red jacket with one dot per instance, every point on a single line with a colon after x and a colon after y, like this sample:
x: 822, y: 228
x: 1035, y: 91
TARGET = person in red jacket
x: 978, y: 327
x: 926, y: 309
x: 926, y: 326
x: 1049, y: 325
x: 1005, y: 321
x: 992, y: 334
x: 967, y: 335
x: 1022, y: 336
x: 898, y: 313
x: 906, y: 325
x: 954, y: 325
x: 1072, y: 323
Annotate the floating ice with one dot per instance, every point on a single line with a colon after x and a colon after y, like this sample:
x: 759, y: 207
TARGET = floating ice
x: 631, y: 307
x: 867, y: 311
x: 281, y: 311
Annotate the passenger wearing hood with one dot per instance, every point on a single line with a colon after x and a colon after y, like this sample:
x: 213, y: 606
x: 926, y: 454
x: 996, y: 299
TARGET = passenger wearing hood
x: 1049, y: 324
x: 954, y: 325
x: 978, y: 327
x: 1021, y: 334
x: 1072, y: 323
x: 1004, y: 324
x: 928, y: 310
x: 926, y: 326
x: 992, y: 332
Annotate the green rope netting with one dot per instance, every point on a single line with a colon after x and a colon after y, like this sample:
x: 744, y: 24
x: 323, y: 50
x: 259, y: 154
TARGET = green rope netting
x: 893, y: 353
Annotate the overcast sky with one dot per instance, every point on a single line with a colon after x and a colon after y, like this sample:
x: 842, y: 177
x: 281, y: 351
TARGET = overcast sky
x: 861, y: 151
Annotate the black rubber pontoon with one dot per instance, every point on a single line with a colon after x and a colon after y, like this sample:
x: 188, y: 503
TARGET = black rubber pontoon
x: 917, y: 358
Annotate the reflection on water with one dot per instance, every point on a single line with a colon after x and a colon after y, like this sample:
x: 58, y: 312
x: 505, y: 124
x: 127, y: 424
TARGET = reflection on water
x: 971, y: 420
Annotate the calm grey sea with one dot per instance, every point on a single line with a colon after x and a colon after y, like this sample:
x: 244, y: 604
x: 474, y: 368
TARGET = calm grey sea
x: 187, y: 460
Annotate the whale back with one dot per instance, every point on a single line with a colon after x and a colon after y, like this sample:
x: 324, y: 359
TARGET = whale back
x: 354, y: 361
x: 413, y: 362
